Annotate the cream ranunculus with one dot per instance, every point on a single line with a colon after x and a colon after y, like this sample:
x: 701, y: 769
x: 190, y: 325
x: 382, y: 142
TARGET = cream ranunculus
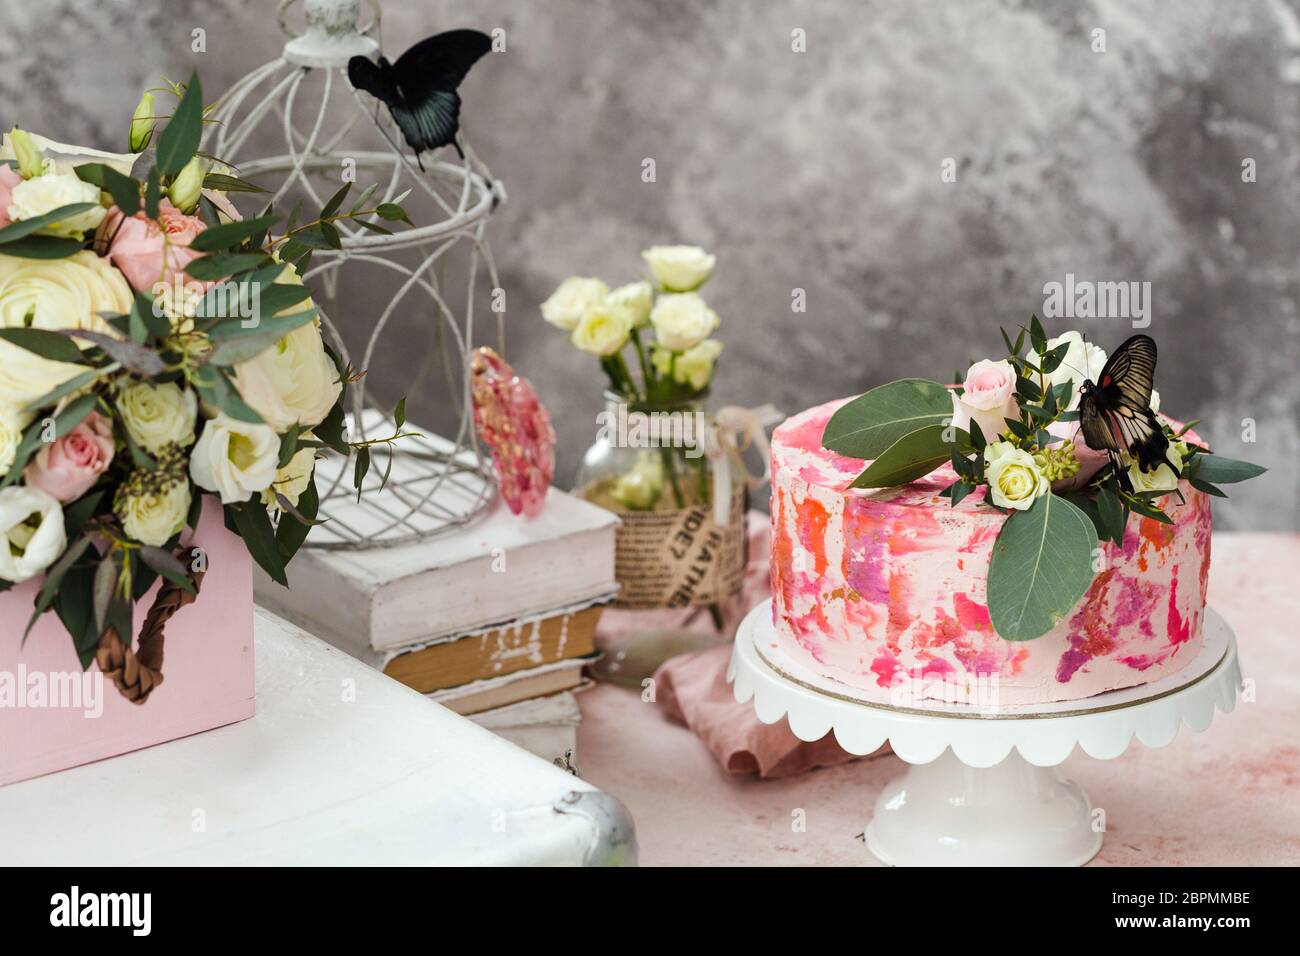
x: 57, y: 294
x: 158, y: 415
x: 153, y: 516
x: 682, y: 320
x: 294, y: 381
x: 31, y: 532
x: 1083, y: 360
x: 35, y: 197
x: 1164, y: 478
x: 988, y: 398
x: 12, y: 422
x: 235, y: 459
x: 679, y: 268
x: 292, y: 480
x: 567, y: 304
x: 601, y: 330
x: 1013, y: 476
x: 635, y: 299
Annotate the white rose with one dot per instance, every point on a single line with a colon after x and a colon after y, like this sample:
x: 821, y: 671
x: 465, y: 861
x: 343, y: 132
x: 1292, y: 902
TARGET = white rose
x: 635, y: 299
x: 31, y: 532
x: 12, y: 422
x: 41, y: 194
x: 602, y: 330
x: 1164, y: 478
x: 292, y: 480
x: 158, y: 415
x: 1013, y: 476
x: 293, y: 382
x: 567, y: 304
x: 235, y: 459
x: 694, y: 367
x: 682, y: 320
x: 679, y: 268
x: 153, y: 517
x: 67, y: 157
x: 1083, y: 360
x: 57, y: 294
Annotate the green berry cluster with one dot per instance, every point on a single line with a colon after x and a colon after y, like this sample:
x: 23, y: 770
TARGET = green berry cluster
x: 170, y: 470
x: 1057, y: 462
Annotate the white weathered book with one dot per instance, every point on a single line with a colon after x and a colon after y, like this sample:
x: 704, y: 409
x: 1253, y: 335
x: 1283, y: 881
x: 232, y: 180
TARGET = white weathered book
x: 545, y: 726
x: 496, y: 569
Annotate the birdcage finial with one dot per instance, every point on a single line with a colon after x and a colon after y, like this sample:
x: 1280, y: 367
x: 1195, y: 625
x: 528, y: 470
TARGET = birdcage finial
x: 333, y: 34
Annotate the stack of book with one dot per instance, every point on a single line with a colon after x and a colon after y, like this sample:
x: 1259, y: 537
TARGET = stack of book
x: 494, y: 620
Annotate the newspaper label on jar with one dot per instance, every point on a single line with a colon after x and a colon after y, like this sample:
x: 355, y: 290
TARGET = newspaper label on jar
x: 679, y: 558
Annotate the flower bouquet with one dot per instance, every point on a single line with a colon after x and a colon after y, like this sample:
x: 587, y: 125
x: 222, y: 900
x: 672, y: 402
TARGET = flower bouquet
x: 669, y: 387
x: 671, y: 470
x: 164, y: 390
x: 1064, y: 441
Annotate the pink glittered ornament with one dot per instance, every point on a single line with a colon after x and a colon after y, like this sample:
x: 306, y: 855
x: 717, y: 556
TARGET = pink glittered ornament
x: 514, y: 424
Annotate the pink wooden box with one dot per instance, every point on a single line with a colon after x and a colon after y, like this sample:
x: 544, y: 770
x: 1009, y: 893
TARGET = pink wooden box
x: 207, y: 670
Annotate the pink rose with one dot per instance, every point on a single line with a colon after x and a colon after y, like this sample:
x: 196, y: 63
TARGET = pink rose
x: 8, y: 180
x: 139, y: 247
x: 1090, y: 461
x: 65, y: 469
x: 988, y: 398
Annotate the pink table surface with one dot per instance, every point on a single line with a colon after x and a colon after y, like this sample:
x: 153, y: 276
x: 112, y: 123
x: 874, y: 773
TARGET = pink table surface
x: 1230, y: 795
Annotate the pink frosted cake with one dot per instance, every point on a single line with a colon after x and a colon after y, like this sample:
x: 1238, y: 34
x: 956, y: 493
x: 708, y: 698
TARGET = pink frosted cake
x: 876, y: 588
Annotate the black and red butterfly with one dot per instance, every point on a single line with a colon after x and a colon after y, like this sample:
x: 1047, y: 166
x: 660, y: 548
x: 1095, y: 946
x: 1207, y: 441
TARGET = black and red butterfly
x: 420, y: 88
x: 1115, y: 411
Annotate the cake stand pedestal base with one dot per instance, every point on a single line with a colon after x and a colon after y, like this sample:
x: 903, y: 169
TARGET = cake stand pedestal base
x: 944, y: 813
x: 983, y: 789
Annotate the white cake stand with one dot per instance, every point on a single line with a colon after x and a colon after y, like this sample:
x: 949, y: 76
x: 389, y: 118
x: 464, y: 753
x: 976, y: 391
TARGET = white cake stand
x: 983, y: 789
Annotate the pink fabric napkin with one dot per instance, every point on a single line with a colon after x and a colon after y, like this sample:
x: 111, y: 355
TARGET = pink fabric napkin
x: 693, y: 689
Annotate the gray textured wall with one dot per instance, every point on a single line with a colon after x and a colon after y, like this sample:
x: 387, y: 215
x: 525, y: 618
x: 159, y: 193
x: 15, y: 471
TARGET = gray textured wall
x: 821, y: 171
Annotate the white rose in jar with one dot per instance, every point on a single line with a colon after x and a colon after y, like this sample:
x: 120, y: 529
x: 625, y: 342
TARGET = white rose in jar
x: 679, y: 268
x: 682, y: 320
x: 567, y: 304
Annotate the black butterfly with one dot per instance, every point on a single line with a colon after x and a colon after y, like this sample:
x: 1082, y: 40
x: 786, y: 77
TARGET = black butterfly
x: 1115, y: 412
x: 420, y: 88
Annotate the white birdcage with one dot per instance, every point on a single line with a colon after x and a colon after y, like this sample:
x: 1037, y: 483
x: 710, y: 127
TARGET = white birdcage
x: 303, y: 100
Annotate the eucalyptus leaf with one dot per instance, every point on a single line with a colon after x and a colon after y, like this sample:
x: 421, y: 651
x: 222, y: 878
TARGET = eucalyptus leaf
x: 124, y: 190
x: 41, y: 247
x: 1111, y: 510
x: 216, y: 389
x: 1224, y: 471
x: 914, y: 455
x: 235, y: 349
x: 870, y: 423
x: 180, y: 139
x: 46, y: 343
x: 25, y: 227
x: 230, y: 184
x: 254, y: 526
x: 1042, y: 565
x: 228, y: 235
x: 134, y: 357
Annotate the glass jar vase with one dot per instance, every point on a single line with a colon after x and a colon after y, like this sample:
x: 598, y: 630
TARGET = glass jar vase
x: 682, y: 495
